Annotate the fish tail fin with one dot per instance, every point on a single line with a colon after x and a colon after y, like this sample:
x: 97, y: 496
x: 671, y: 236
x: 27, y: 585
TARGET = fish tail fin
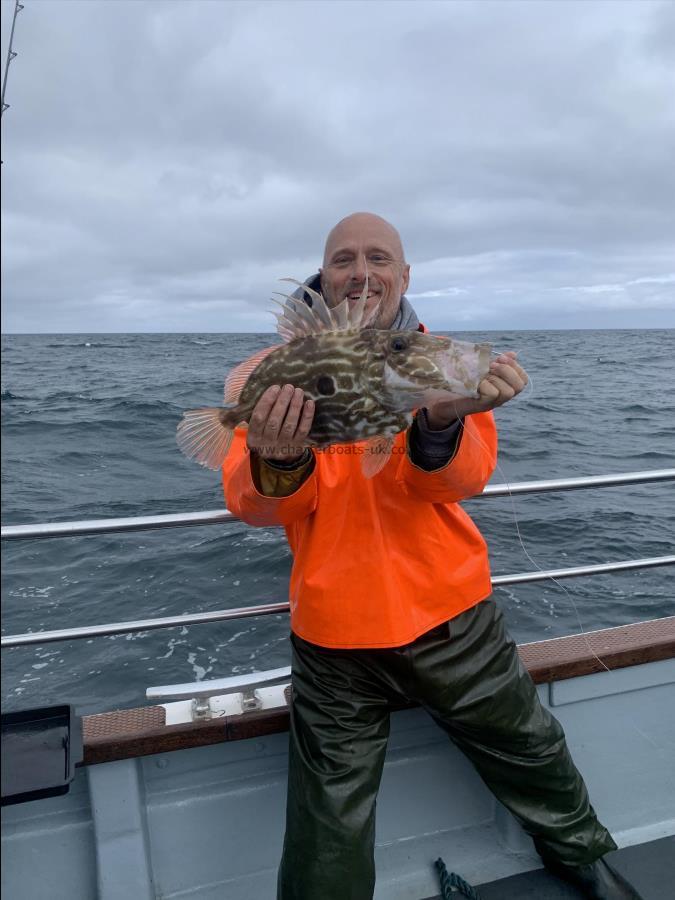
x: 205, y: 435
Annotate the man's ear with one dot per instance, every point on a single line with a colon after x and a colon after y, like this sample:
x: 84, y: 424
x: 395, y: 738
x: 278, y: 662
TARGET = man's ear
x: 405, y: 278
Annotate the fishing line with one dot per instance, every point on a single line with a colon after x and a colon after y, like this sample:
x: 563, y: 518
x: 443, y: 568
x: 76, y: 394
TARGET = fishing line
x: 476, y: 438
x: 582, y: 632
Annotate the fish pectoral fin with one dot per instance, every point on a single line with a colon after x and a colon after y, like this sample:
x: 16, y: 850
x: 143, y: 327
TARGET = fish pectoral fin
x: 236, y: 380
x: 377, y: 455
x: 205, y: 435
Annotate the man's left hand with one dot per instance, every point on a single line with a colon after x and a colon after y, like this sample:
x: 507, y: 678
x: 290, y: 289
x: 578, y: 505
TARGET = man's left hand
x: 505, y: 381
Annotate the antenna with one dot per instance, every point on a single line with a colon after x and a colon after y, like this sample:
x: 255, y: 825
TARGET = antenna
x: 10, y: 56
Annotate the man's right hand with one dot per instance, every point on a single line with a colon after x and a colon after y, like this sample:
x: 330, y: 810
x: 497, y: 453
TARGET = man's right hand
x: 280, y: 423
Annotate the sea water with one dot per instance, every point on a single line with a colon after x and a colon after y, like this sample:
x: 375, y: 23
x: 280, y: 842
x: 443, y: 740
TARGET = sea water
x: 88, y: 431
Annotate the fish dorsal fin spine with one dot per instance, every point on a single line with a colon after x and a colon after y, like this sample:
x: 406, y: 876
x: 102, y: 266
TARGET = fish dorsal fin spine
x: 298, y: 319
x: 235, y: 381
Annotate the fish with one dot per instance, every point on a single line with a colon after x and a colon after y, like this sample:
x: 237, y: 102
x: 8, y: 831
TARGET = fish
x: 365, y: 382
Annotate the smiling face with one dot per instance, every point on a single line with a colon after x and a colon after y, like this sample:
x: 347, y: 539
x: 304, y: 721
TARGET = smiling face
x: 364, y: 244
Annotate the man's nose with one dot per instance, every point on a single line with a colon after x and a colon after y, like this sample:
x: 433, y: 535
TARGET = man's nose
x: 359, y: 269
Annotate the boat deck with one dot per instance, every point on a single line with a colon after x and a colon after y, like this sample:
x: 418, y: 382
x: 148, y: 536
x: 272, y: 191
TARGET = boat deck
x: 649, y: 867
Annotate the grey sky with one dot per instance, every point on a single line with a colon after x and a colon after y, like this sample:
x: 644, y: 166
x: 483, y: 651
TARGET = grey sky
x: 165, y: 162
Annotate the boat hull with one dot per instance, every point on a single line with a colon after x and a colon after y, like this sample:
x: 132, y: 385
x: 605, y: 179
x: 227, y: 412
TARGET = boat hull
x: 207, y: 821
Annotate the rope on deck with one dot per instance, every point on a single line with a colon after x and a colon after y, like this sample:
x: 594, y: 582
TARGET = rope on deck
x: 451, y: 881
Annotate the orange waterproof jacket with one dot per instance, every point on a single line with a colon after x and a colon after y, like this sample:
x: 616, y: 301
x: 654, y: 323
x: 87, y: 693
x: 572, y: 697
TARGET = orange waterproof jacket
x: 376, y: 562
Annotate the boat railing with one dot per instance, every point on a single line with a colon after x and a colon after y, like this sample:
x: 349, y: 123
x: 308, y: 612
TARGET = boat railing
x: 224, y: 516
x: 219, y: 517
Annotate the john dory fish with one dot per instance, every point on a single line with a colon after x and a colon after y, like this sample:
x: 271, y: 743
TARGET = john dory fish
x: 365, y: 383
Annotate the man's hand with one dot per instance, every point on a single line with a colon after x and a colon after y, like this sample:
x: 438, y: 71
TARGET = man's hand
x: 280, y: 423
x: 504, y: 382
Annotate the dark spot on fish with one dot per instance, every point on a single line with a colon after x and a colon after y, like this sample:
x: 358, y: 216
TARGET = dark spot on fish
x: 325, y: 385
x: 398, y: 343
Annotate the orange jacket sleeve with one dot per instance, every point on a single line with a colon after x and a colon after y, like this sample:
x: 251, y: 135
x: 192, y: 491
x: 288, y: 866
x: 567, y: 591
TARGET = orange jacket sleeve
x: 466, y: 474
x: 243, y: 498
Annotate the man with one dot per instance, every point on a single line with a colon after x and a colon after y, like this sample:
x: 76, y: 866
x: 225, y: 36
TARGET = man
x: 390, y: 602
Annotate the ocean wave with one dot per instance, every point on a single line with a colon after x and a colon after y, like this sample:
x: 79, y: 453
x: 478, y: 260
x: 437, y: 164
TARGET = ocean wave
x: 100, y: 408
x: 143, y: 407
x: 525, y: 452
x: 8, y: 395
x: 88, y: 344
x: 638, y: 407
x: 651, y: 454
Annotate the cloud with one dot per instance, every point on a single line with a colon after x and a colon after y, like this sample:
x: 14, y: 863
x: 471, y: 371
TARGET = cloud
x: 166, y: 162
x: 442, y: 292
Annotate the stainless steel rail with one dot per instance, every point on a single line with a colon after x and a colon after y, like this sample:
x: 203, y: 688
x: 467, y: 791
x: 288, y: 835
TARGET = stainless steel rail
x: 575, y: 484
x: 244, y: 612
x: 223, y: 516
x: 112, y: 526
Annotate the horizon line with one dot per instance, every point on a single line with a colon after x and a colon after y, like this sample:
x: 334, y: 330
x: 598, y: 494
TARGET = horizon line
x: 440, y: 330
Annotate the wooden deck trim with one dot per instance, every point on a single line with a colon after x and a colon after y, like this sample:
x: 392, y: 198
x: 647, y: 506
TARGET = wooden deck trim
x: 125, y: 734
x: 617, y: 648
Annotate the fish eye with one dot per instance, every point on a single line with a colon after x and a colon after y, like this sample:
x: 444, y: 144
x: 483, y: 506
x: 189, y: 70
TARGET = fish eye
x: 398, y: 343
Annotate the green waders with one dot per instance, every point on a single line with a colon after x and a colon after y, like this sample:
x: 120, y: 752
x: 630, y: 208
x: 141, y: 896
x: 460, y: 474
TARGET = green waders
x: 468, y: 676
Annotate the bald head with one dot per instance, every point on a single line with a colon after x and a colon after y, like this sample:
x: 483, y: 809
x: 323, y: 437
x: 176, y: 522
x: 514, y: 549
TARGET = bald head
x: 364, y: 223
x: 362, y: 246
